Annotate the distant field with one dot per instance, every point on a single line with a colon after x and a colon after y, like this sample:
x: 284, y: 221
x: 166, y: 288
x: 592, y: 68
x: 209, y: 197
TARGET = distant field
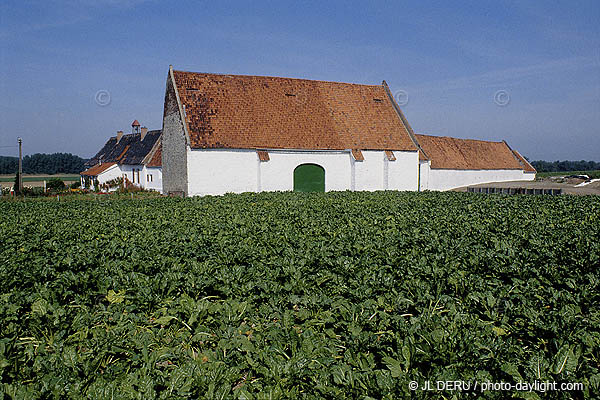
x: 592, y: 174
x: 37, y: 178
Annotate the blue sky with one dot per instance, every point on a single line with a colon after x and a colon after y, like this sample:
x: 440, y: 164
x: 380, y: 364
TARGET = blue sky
x: 450, y: 59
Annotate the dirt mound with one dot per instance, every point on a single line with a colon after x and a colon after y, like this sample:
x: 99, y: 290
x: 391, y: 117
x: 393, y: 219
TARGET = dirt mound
x: 593, y: 185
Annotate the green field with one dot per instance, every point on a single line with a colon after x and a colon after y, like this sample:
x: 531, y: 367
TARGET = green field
x: 591, y: 174
x: 298, y: 295
x: 41, y: 178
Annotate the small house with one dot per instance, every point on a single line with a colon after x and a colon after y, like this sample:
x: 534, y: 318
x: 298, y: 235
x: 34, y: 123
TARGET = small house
x: 127, y: 159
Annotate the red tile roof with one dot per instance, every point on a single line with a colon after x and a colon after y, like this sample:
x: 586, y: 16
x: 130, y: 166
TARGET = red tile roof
x: 156, y: 160
x: 453, y: 153
x: 526, y: 166
x: 97, y: 169
x: 135, y: 123
x: 256, y: 112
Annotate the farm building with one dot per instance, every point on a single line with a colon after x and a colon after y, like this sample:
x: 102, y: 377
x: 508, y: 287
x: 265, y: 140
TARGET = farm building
x: 134, y: 159
x: 448, y: 163
x: 233, y: 133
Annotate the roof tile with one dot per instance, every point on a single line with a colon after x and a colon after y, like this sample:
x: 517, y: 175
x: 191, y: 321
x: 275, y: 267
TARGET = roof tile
x: 453, y: 153
x: 235, y: 111
x: 129, y: 150
x: 97, y: 169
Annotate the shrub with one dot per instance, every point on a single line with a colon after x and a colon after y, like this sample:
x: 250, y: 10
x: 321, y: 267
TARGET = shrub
x: 55, y: 184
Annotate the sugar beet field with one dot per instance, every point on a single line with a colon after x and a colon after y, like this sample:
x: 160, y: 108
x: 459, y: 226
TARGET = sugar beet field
x: 285, y: 295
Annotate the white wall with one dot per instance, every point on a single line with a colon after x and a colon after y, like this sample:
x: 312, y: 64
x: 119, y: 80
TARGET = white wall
x: 156, y: 172
x: 218, y: 171
x: 278, y: 172
x: 156, y: 183
x: 446, y: 179
x: 424, y: 171
x: 403, y: 174
x: 107, y: 175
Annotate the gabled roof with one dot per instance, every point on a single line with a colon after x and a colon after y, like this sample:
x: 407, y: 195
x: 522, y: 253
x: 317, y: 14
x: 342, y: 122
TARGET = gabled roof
x: 154, y: 158
x: 527, y: 167
x: 135, y: 123
x: 98, y: 169
x: 129, y: 150
x: 258, y: 112
x: 453, y: 153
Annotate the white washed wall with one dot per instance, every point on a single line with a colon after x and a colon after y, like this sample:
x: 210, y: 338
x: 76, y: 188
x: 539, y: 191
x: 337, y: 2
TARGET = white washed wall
x: 156, y: 172
x: 424, y: 172
x: 156, y: 183
x: 446, y: 179
x: 278, y: 172
x: 221, y: 171
x: 109, y: 174
x: 127, y: 170
x: 105, y: 176
x: 403, y: 174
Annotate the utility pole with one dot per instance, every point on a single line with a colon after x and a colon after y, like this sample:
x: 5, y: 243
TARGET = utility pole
x: 20, y: 167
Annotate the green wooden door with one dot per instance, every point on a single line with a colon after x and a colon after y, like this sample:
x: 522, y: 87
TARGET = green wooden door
x: 309, y: 178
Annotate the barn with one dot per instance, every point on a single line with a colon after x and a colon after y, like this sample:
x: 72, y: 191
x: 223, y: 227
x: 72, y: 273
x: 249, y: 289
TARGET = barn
x: 448, y: 163
x: 237, y: 133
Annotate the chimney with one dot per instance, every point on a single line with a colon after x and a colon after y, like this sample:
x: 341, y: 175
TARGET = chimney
x: 119, y: 136
x: 143, y: 133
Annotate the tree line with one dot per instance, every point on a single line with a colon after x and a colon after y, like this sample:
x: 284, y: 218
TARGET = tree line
x: 560, y: 166
x: 56, y: 163
x: 67, y: 163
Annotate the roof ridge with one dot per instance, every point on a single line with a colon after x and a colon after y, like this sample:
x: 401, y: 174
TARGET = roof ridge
x: 272, y: 77
x: 455, y: 138
x: 136, y: 133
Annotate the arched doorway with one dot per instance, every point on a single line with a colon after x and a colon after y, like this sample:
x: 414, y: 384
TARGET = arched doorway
x: 309, y: 178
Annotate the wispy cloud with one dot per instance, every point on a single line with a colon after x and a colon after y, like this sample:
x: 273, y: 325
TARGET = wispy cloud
x: 511, y: 75
x: 57, y: 14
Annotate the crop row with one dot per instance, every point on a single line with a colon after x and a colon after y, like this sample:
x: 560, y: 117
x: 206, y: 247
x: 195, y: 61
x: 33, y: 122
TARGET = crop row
x: 287, y: 295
